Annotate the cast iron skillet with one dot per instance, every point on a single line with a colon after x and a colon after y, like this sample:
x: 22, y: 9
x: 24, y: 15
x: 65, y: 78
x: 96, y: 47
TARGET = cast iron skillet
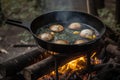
x: 63, y: 17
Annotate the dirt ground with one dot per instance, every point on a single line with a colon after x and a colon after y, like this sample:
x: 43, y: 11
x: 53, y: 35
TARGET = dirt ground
x: 8, y: 38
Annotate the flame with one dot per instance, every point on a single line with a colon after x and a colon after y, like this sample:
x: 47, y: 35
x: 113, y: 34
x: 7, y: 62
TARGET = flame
x: 93, y: 55
x: 73, y: 65
x: 94, y: 59
x: 77, y: 64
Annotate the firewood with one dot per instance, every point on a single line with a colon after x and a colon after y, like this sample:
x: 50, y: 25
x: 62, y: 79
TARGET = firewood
x: 95, y: 68
x: 24, y: 45
x: 15, y: 65
x: 113, y: 49
x: 112, y: 34
x: 46, y: 66
x: 109, y: 72
x: 39, y: 69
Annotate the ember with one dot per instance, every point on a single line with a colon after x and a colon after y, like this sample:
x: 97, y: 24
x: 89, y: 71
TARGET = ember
x: 66, y: 70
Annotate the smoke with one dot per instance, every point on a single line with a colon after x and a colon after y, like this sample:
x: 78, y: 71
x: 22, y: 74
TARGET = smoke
x: 68, y: 17
x: 58, y: 5
x: 65, y: 5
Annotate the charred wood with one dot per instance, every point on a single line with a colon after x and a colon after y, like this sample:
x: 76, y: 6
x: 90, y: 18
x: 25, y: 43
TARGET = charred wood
x: 109, y: 72
x: 46, y: 66
x: 15, y: 65
x: 86, y: 70
x: 24, y: 45
x: 113, y: 49
x: 39, y: 69
x: 100, y: 68
x: 108, y: 41
x: 111, y: 34
x: 14, y: 77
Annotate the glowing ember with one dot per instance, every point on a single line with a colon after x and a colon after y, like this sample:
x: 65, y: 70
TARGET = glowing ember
x: 94, y: 59
x: 74, y: 65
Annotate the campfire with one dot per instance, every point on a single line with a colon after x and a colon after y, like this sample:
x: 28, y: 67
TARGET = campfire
x: 71, y: 67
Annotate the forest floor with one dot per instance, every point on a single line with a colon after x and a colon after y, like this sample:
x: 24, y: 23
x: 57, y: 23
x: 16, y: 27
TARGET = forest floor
x: 8, y: 38
x: 12, y: 35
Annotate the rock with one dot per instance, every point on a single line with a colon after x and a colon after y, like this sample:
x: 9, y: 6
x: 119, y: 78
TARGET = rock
x: 3, y: 51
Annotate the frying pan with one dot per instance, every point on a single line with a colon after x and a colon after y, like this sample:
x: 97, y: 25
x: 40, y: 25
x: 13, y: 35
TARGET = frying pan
x: 63, y: 17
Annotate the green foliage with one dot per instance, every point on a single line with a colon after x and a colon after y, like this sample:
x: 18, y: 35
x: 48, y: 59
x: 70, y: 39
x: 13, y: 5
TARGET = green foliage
x: 107, y: 16
x: 20, y: 9
x: 25, y: 36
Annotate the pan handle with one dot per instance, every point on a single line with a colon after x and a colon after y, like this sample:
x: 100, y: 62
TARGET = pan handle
x: 21, y: 24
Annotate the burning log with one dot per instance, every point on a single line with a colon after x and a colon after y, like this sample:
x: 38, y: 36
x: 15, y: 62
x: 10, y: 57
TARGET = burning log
x: 38, y: 69
x: 15, y: 65
x: 45, y: 66
x: 14, y: 77
x: 86, y: 70
x: 113, y: 49
x: 111, y: 34
x: 101, y: 68
x: 94, y: 68
x: 109, y: 72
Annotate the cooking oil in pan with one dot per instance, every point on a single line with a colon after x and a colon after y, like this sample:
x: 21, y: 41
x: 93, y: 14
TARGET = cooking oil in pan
x: 69, y: 34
